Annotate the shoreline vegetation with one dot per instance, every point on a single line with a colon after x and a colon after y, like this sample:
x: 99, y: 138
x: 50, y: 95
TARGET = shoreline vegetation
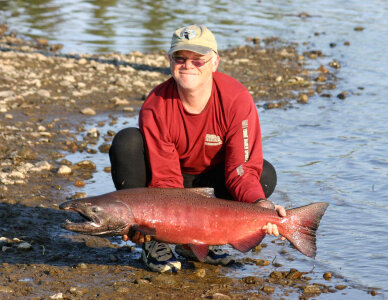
x: 45, y: 100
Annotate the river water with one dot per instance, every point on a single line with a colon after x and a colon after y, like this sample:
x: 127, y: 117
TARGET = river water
x: 328, y: 150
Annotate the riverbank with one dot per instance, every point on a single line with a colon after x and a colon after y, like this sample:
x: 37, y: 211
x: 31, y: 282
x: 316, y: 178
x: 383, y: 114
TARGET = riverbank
x: 45, y: 100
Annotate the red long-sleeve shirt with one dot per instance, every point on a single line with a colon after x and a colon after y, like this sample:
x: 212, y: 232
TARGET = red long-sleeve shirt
x: 227, y: 130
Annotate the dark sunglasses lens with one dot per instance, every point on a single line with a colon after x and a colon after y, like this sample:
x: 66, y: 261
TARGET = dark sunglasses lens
x: 179, y: 60
x: 198, y: 63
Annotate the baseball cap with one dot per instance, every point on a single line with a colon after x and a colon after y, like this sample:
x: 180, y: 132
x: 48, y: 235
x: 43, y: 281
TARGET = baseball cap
x: 195, y: 38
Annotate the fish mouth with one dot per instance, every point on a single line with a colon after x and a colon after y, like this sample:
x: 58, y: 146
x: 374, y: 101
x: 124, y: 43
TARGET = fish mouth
x: 92, y: 224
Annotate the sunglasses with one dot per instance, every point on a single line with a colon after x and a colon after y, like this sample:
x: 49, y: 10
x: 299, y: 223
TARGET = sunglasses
x: 195, y: 62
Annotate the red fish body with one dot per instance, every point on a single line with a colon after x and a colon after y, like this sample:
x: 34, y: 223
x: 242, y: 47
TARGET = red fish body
x: 193, y: 217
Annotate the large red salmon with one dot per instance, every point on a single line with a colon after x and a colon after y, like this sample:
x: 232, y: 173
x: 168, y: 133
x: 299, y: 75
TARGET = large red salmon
x: 193, y: 217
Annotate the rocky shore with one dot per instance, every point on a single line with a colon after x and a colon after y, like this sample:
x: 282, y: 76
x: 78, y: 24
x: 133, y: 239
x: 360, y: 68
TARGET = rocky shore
x: 46, y: 98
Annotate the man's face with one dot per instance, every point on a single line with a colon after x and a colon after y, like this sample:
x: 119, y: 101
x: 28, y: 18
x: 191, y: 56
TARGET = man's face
x: 190, y: 75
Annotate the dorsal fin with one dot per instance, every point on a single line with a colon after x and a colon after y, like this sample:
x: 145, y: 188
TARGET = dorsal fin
x: 203, y: 191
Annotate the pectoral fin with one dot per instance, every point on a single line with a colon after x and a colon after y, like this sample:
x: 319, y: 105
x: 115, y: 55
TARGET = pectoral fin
x: 249, y: 242
x: 144, y: 229
x: 200, y: 251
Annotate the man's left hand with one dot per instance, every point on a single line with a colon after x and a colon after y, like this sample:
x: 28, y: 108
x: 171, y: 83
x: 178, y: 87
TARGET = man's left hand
x: 270, y: 228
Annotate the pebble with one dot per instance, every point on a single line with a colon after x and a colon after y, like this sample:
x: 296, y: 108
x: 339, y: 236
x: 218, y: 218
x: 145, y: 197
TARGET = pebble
x: 123, y: 290
x: 24, y: 246
x: 86, y: 164
x: 113, y: 258
x: 79, y: 195
x: 220, y: 296
x: 64, y: 170
x: 268, y: 289
x: 82, y: 266
x: 6, y: 289
x: 104, y: 148
x: 93, y: 133
x: 57, y: 296
x: 335, y: 64
x: 128, y: 109
x: 342, y: 95
x: 88, y: 111
x: 276, y: 275
x: 250, y: 280
x: 79, y: 183
x: 201, y: 273
x: 327, y: 275
x: 311, y: 289
x: 340, y: 287
x: 41, y: 166
x: 6, y: 249
x: 303, y: 98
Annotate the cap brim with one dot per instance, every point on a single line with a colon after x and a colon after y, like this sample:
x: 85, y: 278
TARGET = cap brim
x: 193, y: 48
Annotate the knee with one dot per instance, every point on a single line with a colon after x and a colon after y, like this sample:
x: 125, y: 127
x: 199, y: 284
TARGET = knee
x: 268, y: 178
x: 126, y: 141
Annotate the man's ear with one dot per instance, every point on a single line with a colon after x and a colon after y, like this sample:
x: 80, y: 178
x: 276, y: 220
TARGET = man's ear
x: 215, y: 63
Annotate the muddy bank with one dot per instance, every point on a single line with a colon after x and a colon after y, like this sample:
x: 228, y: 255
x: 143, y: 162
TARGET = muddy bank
x: 45, y: 100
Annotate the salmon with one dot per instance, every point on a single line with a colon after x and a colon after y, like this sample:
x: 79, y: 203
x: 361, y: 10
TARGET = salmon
x: 194, y: 217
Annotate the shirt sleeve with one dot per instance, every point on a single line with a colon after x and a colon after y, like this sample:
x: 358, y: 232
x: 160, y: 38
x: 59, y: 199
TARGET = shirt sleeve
x: 161, y: 153
x: 243, y: 151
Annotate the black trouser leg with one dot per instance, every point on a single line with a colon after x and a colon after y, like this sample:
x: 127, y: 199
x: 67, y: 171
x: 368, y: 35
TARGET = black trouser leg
x: 216, y: 178
x: 128, y: 159
x: 130, y: 169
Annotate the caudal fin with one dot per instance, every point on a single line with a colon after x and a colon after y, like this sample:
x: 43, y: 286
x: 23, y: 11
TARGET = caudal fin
x: 302, y: 225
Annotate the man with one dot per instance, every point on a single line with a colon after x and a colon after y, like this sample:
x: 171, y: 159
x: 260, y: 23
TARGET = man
x: 200, y: 128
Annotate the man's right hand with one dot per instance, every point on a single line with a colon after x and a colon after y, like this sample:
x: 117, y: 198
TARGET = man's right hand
x: 137, y: 237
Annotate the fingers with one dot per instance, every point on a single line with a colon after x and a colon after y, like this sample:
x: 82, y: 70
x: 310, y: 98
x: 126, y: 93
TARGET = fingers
x: 271, y: 229
x: 137, y: 237
x: 281, y: 210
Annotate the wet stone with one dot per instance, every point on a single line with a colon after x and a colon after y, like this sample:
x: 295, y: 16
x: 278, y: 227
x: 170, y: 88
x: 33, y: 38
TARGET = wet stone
x: 79, y: 183
x: 104, y: 148
x: 311, y: 289
x: 250, y: 280
x: 24, y: 246
x: 201, y: 273
x: 86, y: 164
x: 268, y: 289
x: 219, y: 296
x: 327, y: 275
x: 79, y: 195
x: 294, y: 274
x: 276, y: 275
x: 64, y: 170
x: 88, y: 111
x: 342, y: 95
x: 341, y: 287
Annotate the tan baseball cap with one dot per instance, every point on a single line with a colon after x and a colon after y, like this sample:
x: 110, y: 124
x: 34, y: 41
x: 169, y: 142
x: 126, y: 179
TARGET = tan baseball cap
x: 196, y: 38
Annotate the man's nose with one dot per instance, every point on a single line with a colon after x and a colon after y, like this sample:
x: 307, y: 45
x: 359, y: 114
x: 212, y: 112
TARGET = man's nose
x: 188, y: 64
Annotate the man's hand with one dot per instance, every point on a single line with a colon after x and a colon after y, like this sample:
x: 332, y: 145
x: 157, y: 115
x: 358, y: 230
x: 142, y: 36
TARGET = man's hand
x: 270, y: 228
x: 137, y: 237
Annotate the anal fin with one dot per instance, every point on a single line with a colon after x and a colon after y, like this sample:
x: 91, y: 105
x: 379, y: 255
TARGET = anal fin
x: 247, y: 243
x: 200, y: 251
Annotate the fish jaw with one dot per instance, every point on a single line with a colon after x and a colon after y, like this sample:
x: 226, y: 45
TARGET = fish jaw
x: 99, y: 218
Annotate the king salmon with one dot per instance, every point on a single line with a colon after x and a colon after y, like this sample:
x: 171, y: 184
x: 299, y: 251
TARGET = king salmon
x: 193, y: 216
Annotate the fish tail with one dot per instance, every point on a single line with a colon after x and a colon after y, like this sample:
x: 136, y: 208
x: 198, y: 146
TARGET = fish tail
x: 300, y: 230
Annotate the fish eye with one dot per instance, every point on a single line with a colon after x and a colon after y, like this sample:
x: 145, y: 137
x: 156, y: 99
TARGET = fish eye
x: 95, y: 209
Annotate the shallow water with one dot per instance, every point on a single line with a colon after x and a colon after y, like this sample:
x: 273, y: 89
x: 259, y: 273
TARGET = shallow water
x: 328, y: 150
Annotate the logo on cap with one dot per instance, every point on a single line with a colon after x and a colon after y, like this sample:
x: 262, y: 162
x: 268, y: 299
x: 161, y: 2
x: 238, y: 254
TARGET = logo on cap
x: 188, y: 34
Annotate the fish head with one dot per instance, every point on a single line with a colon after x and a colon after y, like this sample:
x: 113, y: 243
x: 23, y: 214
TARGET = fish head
x: 104, y: 218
